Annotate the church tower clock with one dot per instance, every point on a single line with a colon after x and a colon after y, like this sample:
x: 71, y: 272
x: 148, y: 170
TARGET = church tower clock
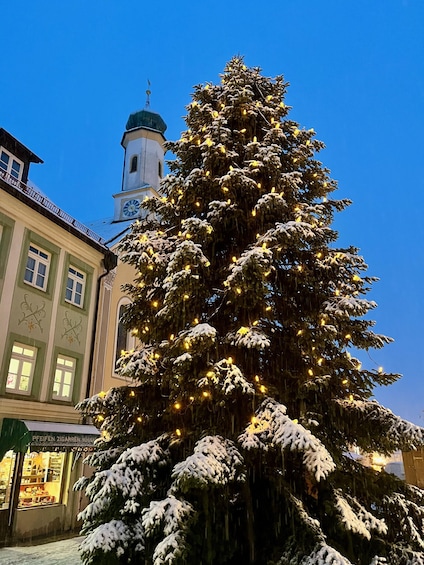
x: 143, y: 142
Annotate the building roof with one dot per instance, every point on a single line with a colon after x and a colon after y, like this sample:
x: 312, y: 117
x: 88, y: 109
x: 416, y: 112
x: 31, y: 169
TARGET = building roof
x: 146, y: 119
x: 111, y: 232
x: 19, y: 147
x: 33, y: 197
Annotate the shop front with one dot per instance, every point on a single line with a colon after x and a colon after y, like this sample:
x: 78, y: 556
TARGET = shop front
x: 39, y: 463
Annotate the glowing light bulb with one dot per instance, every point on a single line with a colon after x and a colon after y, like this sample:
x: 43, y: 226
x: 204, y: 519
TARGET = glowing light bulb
x: 239, y: 290
x: 230, y: 360
x: 310, y: 372
x: 139, y: 419
x: 348, y: 336
x: 178, y: 432
x: 205, y: 394
x: 177, y: 406
x: 155, y: 303
x: 253, y: 213
x: 295, y: 421
x: 257, y: 378
x: 300, y: 332
x: 196, y: 321
x: 262, y: 388
x: 243, y: 330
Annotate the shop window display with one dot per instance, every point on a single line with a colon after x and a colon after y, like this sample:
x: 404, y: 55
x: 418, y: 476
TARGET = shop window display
x: 41, y: 479
x: 6, y: 470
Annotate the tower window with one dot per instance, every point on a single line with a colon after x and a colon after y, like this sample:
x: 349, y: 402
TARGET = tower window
x: 160, y: 169
x: 133, y: 166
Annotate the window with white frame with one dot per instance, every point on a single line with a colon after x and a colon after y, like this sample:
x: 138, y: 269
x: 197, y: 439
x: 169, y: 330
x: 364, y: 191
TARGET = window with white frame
x: 21, y: 369
x: 75, y: 285
x: 125, y: 340
x: 10, y: 164
x: 64, y: 378
x: 37, y: 267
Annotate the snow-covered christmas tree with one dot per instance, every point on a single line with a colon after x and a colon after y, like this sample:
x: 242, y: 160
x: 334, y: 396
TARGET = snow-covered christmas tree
x: 231, y: 443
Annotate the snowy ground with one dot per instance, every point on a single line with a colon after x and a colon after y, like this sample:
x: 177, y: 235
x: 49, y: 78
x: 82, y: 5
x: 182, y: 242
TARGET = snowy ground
x: 64, y: 552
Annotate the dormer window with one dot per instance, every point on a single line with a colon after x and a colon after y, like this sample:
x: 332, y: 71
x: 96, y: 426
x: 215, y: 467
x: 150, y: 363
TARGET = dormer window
x: 10, y: 164
x: 133, y: 167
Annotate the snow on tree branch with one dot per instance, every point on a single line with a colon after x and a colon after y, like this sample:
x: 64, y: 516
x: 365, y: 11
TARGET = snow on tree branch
x: 398, y: 433
x: 215, y: 461
x: 227, y: 377
x: 357, y: 518
x: 171, y: 516
x: 252, y: 337
x: 139, y: 364
x: 324, y: 554
x: 271, y: 426
x: 111, y: 537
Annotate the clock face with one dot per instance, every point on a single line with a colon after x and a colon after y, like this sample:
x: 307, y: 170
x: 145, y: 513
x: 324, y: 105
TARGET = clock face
x: 131, y: 208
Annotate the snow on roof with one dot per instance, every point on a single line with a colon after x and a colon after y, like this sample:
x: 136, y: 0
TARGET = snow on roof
x: 112, y: 232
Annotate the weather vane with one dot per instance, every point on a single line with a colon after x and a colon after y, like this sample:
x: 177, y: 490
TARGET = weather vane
x: 148, y: 93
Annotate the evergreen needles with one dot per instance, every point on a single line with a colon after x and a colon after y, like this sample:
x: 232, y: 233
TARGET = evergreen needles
x: 231, y: 444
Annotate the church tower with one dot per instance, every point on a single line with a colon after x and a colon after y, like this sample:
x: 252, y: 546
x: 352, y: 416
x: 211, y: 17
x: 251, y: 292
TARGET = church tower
x: 143, y: 142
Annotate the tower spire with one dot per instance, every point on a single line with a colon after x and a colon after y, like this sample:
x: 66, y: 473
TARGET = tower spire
x: 148, y: 93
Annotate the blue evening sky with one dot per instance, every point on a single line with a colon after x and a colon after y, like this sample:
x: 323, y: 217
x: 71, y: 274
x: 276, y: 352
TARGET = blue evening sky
x: 72, y: 72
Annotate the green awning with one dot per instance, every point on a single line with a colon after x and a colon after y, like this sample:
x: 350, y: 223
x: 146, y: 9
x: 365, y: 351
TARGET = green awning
x: 18, y: 435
